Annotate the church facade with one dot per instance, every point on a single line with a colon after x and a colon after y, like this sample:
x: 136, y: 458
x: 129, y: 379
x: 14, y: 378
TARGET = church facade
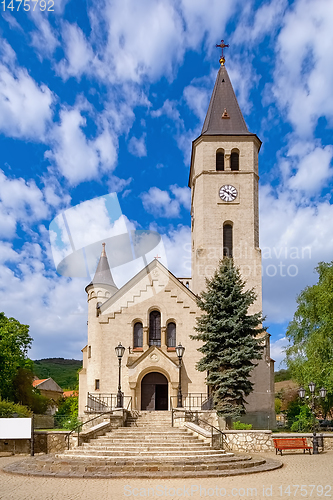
x: 155, y: 311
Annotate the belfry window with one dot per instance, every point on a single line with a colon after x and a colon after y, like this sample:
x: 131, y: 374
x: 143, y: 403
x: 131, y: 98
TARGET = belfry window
x: 155, y: 328
x: 234, y: 160
x: 171, y: 335
x: 137, y: 335
x: 227, y: 240
x: 220, y: 160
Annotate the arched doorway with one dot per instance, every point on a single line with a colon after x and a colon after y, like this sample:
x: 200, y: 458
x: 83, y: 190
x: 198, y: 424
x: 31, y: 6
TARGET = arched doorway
x: 154, y: 392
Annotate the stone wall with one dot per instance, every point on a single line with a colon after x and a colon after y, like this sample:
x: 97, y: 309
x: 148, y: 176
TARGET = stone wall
x: 249, y: 441
x: 262, y: 441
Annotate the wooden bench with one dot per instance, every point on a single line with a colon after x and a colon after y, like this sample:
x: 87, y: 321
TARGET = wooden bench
x: 291, y: 444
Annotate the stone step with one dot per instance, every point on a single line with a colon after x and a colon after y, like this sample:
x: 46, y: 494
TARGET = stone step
x: 52, y: 466
x: 142, y: 453
x: 117, y: 439
x: 146, y: 447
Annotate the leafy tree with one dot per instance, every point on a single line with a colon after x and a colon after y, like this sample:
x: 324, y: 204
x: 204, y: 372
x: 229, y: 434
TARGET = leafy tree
x: 8, y: 409
x: 14, y: 344
x: 309, y: 355
x: 232, y: 339
x: 24, y: 392
x: 303, y: 422
x: 67, y: 414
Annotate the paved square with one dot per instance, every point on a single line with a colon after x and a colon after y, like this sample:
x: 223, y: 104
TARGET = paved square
x: 313, y: 474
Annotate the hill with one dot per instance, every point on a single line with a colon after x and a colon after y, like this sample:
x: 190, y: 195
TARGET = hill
x: 63, y: 371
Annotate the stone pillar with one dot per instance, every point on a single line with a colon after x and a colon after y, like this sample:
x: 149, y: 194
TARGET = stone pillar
x: 163, y: 338
x: 145, y: 338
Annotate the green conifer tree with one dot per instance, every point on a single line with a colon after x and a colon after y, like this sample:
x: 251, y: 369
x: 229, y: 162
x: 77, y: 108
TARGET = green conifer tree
x: 232, y: 339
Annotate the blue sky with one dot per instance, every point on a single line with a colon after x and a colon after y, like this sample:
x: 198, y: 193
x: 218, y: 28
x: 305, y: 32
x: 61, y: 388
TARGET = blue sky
x: 107, y: 96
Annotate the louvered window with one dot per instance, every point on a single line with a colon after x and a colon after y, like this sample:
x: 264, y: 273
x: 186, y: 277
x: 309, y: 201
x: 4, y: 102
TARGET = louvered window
x: 234, y: 161
x: 227, y: 240
x: 220, y: 160
x: 171, y: 335
x: 155, y: 328
x: 138, y: 335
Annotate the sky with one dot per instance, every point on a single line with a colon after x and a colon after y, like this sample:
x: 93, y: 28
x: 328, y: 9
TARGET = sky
x: 107, y: 96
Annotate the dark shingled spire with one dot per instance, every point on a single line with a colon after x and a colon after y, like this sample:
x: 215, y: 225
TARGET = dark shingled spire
x: 103, y: 274
x: 224, y: 116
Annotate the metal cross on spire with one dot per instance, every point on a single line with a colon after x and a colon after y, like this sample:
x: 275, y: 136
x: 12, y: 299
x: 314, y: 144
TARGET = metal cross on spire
x: 222, y: 45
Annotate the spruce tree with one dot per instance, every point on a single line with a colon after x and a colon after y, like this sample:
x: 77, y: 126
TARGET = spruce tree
x: 232, y: 339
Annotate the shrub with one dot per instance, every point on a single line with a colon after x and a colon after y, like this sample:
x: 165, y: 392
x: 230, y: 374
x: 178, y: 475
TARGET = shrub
x: 239, y: 426
x: 8, y: 408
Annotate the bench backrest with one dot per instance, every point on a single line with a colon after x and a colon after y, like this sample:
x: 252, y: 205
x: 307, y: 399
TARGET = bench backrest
x: 299, y: 441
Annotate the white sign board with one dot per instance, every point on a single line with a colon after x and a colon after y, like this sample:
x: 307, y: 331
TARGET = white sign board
x: 15, y: 428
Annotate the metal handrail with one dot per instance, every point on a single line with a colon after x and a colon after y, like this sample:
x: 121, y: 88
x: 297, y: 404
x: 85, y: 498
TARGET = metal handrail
x: 105, y: 401
x: 196, y: 419
x: 192, y: 400
x: 81, y: 424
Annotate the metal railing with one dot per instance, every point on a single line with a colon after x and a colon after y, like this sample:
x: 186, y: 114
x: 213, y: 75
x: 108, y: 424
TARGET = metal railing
x: 218, y: 438
x: 99, y: 402
x: 193, y: 401
x: 80, y: 425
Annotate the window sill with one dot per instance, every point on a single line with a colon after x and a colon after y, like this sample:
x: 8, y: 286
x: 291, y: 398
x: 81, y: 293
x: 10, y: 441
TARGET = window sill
x: 171, y: 349
x: 137, y: 349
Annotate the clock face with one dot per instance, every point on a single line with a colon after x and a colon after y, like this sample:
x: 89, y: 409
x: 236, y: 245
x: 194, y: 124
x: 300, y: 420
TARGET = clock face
x: 228, y: 193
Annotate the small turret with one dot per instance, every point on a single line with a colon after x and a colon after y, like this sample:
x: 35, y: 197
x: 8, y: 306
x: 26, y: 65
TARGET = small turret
x: 102, y: 287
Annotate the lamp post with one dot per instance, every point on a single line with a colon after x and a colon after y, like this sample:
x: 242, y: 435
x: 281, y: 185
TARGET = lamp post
x: 120, y: 352
x: 180, y: 352
x: 322, y: 394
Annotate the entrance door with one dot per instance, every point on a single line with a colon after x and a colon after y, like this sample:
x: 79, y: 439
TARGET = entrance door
x: 154, y: 392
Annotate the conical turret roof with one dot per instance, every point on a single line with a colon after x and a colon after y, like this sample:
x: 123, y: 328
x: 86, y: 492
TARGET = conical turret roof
x: 103, y: 274
x: 224, y: 116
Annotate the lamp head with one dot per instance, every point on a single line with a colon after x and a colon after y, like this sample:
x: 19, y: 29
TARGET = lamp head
x: 301, y: 392
x: 312, y: 387
x: 323, y: 392
x: 120, y: 350
x: 180, y: 351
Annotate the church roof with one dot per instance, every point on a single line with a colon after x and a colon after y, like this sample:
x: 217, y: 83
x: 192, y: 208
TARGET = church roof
x: 224, y: 116
x: 103, y: 274
x: 138, y: 277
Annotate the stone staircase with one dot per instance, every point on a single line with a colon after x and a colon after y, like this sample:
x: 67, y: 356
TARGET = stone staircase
x: 148, y: 448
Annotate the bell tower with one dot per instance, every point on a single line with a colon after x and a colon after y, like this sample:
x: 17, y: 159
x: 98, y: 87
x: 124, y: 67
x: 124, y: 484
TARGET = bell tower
x: 225, y: 218
x: 224, y: 191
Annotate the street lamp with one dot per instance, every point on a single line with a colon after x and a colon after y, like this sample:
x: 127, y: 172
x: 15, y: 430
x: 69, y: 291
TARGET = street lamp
x: 322, y: 394
x: 180, y: 352
x: 120, y: 352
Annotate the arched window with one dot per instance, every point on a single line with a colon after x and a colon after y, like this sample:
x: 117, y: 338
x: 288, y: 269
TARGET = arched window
x: 234, y: 160
x: 171, y: 335
x: 227, y: 240
x: 155, y: 328
x: 219, y: 160
x: 137, y: 335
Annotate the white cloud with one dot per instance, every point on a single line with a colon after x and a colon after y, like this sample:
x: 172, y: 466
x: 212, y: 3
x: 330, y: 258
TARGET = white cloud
x: 182, y: 194
x: 277, y: 352
x: 20, y: 202
x: 79, y: 54
x: 314, y: 170
x: 25, y: 106
x: 303, y: 78
x: 44, y: 38
x: 160, y: 204
x: 168, y: 109
x: 197, y: 100
x: 59, y: 327
x: 177, y: 244
x: 76, y: 157
x: 137, y: 147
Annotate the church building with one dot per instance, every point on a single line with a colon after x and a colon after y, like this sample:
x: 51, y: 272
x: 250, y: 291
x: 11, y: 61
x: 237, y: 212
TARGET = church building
x: 155, y: 312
